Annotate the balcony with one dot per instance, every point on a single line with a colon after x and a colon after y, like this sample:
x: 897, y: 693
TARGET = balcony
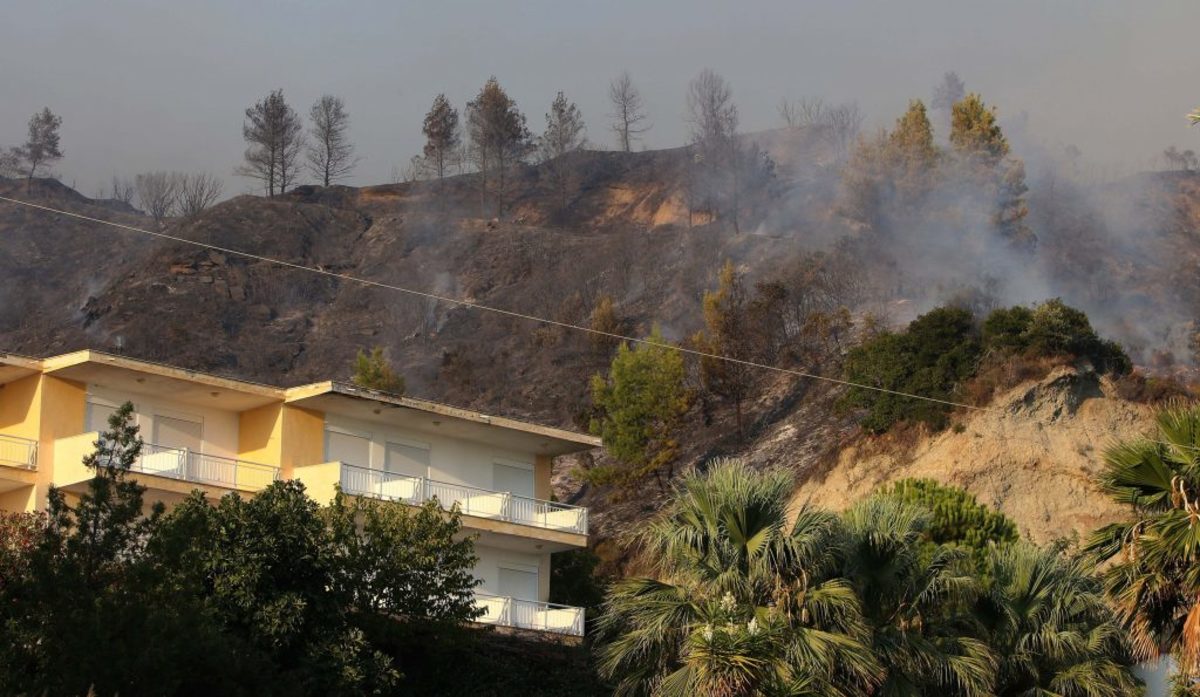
x: 472, y: 501
x: 530, y: 614
x: 18, y: 452
x: 178, y: 464
x: 191, y: 466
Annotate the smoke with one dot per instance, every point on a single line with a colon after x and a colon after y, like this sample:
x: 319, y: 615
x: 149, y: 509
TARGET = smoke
x: 1117, y: 249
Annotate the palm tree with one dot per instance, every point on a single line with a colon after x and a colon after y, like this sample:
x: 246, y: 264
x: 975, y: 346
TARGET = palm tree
x: 1154, y: 576
x: 737, y: 602
x: 916, y: 600
x: 1050, y: 626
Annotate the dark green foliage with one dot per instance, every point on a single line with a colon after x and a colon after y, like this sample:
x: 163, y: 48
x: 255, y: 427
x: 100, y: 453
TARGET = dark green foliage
x: 1053, y: 329
x: 943, y: 348
x: 938, y: 351
x: 372, y: 371
x: 394, y: 561
x: 573, y: 580
x: 270, y: 595
x: 956, y: 517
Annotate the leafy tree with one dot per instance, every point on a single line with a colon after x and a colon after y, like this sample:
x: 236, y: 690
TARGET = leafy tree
x: 738, y: 601
x: 911, y: 599
x: 41, y: 146
x: 931, y: 358
x: 395, y: 561
x: 441, y: 134
x: 948, y: 92
x: 330, y: 152
x: 727, y: 332
x: 604, y: 319
x: 1047, y: 620
x: 982, y: 152
x: 19, y: 534
x: 499, y: 138
x: 713, y: 118
x: 373, y: 372
x: 270, y: 580
x: 1151, y: 558
x: 639, y: 407
x: 912, y: 155
x: 158, y: 193
x: 574, y: 581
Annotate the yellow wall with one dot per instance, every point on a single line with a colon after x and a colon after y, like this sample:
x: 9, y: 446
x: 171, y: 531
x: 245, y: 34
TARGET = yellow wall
x: 19, y: 413
x: 260, y: 434
x: 303, y: 440
x: 320, y: 480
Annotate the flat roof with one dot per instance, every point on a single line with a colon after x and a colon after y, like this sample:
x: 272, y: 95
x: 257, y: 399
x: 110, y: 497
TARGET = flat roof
x: 191, y: 386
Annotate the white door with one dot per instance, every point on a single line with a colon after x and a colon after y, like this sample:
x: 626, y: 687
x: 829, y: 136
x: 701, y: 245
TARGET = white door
x: 513, y: 479
x: 521, y: 584
x: 407, y: 459
x: 343, y: 447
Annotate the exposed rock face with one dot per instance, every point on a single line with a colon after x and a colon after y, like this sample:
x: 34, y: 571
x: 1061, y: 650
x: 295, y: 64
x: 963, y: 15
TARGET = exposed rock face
x: 1034, y: 454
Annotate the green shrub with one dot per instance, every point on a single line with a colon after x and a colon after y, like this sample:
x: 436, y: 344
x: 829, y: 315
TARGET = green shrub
x: 1053, y: 328
x: 957, y: 517
x: 939, y: 350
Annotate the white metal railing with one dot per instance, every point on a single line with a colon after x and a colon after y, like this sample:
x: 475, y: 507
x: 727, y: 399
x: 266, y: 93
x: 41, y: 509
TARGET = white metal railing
x: 18, y: 452
x: 472, y: 501
x: 191, y: 466
x: 529, y: 614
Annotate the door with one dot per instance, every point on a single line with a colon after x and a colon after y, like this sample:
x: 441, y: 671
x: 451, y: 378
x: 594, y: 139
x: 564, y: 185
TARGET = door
x: 521, y: 584
x: 513, y: 479
x: 408, y: 460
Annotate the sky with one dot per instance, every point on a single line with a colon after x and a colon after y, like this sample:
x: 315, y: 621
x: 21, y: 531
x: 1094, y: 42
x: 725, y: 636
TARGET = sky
x: 145, y: 85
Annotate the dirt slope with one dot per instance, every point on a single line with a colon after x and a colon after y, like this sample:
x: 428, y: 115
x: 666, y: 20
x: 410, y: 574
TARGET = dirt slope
x: 1034, y: 454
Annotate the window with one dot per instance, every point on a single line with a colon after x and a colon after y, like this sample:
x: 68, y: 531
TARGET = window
x: 181, y: 434
x: 521, y: 584
x: 407, y: 459
x: 512, y: 478
x: 97, y: 416
x: 347, y: 448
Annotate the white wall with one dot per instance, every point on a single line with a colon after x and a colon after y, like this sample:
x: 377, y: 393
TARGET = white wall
x: 219, y: 427
x: 452, y: 460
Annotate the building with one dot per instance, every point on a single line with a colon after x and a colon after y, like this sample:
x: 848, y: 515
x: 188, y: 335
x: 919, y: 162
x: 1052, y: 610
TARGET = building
x: 221, y: 435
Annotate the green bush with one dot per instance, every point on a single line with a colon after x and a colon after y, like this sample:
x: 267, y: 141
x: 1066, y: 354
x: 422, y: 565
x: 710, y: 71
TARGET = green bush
x: 943, y: 348
x: 938, y: 351
x: 958, y: 518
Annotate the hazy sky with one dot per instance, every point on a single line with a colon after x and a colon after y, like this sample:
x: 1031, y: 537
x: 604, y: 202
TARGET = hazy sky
x: 163, y: 85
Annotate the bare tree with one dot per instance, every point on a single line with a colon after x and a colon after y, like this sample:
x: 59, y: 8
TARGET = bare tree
x: 197, y: 192
x: 330, y: 153
x: 803, y: 112
x: 845, y: 123
x: 10, y: 163
x: 714, y: 118
x: 564, y: 134
x: 276, y: 137
x: 158, y: 194
x: 441, y: 135
x: 122, y: 190
x: 499, y: 138
x: 629, y: 112
x: 42, y: 144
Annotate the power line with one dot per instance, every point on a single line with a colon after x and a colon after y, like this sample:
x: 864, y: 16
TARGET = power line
x: 522, y: 315
x: 489, y: 308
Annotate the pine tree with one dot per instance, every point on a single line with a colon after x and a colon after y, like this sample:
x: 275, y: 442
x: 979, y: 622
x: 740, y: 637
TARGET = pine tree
x: 499, y: 139
x: 911, y: 154
x: 983, y: 163
x: 564, y: 134
x: 727, y: 332
x: 373, y: 372
x: 441, y: 134
x: 42, y: 145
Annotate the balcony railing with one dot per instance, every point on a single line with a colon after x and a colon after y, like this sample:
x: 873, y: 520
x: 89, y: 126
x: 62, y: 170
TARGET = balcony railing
x: 191, y: 466
x: 530, y: 614
x: 472, y: 501
x: 18, y: 452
